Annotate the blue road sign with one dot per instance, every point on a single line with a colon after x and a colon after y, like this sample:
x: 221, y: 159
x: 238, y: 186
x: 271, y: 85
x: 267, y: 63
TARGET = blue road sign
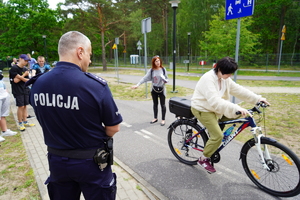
x: 238, y: 8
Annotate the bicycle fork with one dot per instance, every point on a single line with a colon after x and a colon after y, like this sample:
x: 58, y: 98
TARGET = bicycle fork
x: 263, y: 155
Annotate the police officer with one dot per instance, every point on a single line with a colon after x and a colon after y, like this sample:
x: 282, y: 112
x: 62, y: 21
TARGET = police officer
x: 78, y: 114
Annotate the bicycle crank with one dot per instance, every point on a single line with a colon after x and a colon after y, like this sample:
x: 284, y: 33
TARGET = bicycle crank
x: 215, y: 158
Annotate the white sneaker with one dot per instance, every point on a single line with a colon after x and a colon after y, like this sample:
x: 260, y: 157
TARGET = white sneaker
x: 8, y: 132
x: 1, y: 139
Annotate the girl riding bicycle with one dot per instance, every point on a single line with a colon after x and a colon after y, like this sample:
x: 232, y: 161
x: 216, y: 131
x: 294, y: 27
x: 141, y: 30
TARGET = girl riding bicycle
x: 210, y: 103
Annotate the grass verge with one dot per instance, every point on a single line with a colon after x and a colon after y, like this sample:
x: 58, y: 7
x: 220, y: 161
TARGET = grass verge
x: 17, y: 180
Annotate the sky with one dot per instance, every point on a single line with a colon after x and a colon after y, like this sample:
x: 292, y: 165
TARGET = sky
x: 52, y: 3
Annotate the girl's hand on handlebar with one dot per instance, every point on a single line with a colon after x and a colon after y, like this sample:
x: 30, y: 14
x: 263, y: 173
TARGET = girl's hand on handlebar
x: 244, y: 112
x: 264, y: 100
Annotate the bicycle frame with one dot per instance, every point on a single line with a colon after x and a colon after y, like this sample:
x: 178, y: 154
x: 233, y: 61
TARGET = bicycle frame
x: 246, y: 122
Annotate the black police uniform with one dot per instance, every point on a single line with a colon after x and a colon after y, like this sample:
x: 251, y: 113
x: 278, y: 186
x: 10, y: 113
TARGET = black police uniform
x: 73, y: 109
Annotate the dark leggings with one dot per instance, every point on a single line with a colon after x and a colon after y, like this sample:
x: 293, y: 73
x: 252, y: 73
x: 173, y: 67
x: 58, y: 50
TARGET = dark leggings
x: 161, y: 96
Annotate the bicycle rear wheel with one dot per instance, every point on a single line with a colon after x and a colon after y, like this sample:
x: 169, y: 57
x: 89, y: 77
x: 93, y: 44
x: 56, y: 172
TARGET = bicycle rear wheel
x: 283, y: 176
x: 186, y: 151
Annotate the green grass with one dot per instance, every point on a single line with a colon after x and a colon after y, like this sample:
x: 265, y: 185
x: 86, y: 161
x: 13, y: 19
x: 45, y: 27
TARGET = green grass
x: 282, y: 119
x: 125, y: 92
x: 17, y: 180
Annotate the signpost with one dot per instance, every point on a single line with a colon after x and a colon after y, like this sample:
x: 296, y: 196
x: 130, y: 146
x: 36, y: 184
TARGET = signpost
x: 283, y: 31
x: 115, y: 48
x: 237, y: 9
x: 139, y: 44
x: 146, y: 28
x: 186, y: 62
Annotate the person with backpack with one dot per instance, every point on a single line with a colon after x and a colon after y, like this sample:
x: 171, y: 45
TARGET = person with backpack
x: 158, y: 76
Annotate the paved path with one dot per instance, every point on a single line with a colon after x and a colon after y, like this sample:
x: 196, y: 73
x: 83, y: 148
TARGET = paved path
x: 130, y: 185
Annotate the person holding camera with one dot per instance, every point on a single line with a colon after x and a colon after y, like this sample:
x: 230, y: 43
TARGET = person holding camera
x: 158, y: 76
x: 78, y: 122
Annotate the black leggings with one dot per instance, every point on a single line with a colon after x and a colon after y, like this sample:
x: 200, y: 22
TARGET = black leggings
x: 162, y: 98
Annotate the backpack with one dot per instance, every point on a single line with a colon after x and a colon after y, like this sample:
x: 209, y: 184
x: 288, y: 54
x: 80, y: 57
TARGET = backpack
x: 164, y: 71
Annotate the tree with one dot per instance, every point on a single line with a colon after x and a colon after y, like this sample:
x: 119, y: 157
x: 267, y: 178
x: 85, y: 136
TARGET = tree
x: 220, y: 39
x: 194, y: 16
x: 95, y: 17
x: 268, y: 20
x: 293, y: 24
x: 159, y: 11
x: 24, y: 22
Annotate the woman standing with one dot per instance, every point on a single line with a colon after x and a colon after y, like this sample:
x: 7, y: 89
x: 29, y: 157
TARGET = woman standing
x: 158, y: 76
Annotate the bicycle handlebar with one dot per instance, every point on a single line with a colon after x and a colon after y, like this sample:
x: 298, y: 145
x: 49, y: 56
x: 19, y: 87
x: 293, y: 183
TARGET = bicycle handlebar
x: 255, y: 108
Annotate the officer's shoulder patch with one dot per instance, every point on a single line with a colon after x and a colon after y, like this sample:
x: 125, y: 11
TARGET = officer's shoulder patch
x: 97, y: 78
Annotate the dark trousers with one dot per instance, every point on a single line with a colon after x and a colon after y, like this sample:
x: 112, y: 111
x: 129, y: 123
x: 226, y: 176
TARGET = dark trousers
x: 69, y: 177
x: 162, y: 98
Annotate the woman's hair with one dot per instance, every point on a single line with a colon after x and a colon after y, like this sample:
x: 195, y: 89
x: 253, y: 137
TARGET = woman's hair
x: 226, y: 65
x: 153, y: 62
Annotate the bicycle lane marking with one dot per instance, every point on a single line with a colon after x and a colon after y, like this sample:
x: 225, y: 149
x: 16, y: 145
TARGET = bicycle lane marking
x: 146, y: 134
x: 126, y: 124
x: 150, y: 138
x: 224, y: 170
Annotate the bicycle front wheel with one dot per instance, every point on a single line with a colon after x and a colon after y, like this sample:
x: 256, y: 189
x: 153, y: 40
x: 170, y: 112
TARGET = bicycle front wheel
x: 282, y: 178
x: 184, y: 141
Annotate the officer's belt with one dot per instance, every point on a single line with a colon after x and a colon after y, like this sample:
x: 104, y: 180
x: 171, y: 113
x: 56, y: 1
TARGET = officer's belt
x: 73, y: 153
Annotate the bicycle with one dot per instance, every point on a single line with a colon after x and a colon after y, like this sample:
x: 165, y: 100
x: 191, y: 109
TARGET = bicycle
x: 271, y: 166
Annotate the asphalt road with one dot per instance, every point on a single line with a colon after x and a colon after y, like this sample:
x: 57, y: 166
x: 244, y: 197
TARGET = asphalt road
x: 144, y: 148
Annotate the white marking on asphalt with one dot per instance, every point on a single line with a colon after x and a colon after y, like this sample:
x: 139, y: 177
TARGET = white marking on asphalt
x: 147, y: 132
x: 125, y: 124
x: 153, y: 135
x: 150, y: 138
x: 141, y: 134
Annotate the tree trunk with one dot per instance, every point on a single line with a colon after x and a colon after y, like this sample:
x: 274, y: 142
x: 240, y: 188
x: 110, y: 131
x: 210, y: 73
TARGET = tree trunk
x: 294, y: 48
x: 103, y: 51
x: 102, y: 29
